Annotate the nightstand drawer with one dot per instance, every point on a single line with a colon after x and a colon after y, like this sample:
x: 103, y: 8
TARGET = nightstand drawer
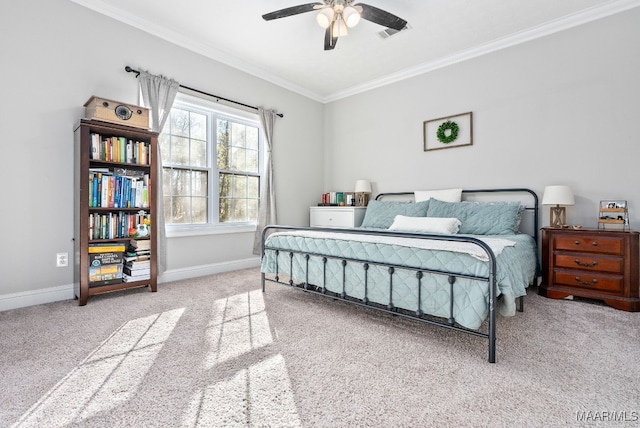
x: 589, y: 262
x: 590, y: 281
x: 595, y: 244
x: 345, y: 217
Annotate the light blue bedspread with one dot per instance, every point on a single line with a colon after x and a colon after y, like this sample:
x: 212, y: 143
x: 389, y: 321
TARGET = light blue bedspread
x: 515, y: 270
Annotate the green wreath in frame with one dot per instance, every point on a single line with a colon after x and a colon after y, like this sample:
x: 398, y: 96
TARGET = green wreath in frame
x: 453, y: 129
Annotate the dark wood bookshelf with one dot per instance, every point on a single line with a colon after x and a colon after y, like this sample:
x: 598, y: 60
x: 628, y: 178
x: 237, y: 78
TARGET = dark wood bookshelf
x: 83, y: 131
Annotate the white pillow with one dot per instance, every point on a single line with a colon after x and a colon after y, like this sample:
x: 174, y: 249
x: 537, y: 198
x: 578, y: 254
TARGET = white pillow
x: 447, y: 226
x: 445, y: 195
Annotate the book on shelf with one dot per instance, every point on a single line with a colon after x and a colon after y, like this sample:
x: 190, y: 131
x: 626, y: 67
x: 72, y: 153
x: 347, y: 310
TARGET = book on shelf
x: 110, y: 189
x: 119, y: 149
x: 137, y: 264
x: 140, y: 244
x: 99, y: 274
x: 136, y: 272
x: 107, y: 247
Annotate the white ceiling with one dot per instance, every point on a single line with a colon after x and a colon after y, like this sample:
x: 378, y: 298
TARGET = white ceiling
x: 289, y: 51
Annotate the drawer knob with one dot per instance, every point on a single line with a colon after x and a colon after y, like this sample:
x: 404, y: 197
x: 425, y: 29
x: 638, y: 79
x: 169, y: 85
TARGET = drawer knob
x: 594, y: 243
x: 593, y: 263
x: 593, y: 281
x: 577, y: 242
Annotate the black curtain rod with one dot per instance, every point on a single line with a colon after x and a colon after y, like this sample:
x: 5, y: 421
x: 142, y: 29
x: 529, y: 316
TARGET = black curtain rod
x: 131, y: 70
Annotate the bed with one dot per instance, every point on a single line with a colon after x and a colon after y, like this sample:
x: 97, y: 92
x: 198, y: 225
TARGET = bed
x: 455, y: 262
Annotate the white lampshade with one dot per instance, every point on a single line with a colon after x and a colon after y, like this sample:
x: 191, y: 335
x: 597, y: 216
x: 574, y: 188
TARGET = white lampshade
x: 351, y: 16
x: 558, y: 195
x: 325, y: 16
x: 363, y: 186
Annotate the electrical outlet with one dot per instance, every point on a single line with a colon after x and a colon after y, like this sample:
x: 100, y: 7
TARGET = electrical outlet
x: 62, y: 259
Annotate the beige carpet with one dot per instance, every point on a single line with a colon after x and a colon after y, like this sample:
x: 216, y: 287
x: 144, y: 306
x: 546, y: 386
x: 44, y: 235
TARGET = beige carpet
x: 217, y: 352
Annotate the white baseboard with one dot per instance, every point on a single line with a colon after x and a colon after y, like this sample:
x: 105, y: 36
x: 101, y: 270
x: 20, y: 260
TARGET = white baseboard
x: 65, y: 292
x: 211, y: 269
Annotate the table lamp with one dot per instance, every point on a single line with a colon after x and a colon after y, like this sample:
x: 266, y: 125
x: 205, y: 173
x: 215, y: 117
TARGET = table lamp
x: 363, y: 189
x: 557, y: 197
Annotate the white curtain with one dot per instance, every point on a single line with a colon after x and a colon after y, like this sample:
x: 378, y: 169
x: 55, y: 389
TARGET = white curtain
x: 158, y: 94
x: 267, y: 210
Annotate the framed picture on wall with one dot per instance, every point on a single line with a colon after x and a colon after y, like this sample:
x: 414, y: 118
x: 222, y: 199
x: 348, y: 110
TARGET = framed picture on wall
x: 447, y: 132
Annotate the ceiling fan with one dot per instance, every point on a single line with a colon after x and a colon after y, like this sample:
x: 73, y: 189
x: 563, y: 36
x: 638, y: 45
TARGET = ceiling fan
x: 338, y: 15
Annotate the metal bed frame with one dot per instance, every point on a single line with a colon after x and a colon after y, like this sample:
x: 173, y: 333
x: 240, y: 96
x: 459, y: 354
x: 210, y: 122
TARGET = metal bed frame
x: 390, y: 308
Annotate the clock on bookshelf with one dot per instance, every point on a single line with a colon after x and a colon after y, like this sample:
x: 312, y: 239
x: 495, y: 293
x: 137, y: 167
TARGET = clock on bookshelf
x: 114, y: 208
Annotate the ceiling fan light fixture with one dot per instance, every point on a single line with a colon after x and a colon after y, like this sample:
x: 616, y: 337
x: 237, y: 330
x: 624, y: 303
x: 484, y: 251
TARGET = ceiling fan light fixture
x: 325, y: 16
x: 351, y: 16
x: 339, y: 27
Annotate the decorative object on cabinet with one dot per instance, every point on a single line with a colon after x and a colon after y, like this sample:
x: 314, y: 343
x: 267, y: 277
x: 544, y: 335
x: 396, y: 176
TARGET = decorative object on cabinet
x: 114, y: 208
x: 449, y: 131
x: 613, y: 214
x: 350, y: 199
x: 332, y: 216
x: 560, y: 196
x: 591, y: 263
x: 116, y: 112
x: 362, y: 191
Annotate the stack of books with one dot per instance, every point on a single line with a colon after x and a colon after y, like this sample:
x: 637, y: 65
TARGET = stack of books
x: 137, y: 261
x: 105, y: 264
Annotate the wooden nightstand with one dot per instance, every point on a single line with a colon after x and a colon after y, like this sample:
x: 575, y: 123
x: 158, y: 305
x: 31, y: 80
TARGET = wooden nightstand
x: 344, y: 217
x: 591, y: 263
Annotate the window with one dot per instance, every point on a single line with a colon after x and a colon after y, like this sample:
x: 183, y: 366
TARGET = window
x: 212, y: 165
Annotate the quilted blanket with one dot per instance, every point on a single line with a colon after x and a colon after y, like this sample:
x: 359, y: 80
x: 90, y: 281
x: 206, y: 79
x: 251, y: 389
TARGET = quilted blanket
x: 515, y: 269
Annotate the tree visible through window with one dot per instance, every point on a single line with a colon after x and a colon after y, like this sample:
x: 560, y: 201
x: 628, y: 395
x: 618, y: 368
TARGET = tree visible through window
x: 211, y: 165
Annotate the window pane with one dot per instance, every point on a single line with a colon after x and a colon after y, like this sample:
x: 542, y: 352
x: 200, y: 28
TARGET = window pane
x: 240, y: 187
x: 200, y: 183
x: 181, y: 209
x: 222, y: 148
x: 199, y: 153
x: 237, y: 135
x: 225, y: 208
x: 198, y: 126
x: 180, y: 182
x: 252, y: 162
x: 179, y: 122
x: 239, y: 210
x: 225, y: 185
x: 199, y: 210
x: 253, y: 187
x: 252, y: 136
x: 179, y: 151
x: 238, y: 159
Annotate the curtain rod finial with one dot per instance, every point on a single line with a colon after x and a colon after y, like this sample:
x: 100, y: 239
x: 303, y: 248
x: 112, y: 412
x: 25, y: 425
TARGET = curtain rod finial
x: 131, y: 70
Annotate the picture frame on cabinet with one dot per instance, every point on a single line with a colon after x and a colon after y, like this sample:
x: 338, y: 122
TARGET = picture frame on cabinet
x: 349, y: 198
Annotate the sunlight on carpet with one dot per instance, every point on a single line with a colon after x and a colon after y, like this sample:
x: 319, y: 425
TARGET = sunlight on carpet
x: 108, y: 376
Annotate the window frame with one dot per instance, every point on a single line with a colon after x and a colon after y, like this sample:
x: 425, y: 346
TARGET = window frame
x: 214, y: 111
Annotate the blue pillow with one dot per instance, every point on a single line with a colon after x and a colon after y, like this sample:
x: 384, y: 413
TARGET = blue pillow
x: 380, y: 214
x: 479, y: 218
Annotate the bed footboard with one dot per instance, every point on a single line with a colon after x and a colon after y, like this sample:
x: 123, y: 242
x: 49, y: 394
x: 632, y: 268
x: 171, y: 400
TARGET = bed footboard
x: 417, y: 273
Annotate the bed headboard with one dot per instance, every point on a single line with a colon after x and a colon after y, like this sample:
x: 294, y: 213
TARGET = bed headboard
x: 527, y: 197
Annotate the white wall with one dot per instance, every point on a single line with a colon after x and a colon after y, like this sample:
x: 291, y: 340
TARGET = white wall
x: 55, y: 55
x: 564, y: 109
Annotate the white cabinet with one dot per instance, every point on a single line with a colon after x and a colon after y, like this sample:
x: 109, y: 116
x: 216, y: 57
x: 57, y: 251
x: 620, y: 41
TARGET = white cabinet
x: 345, y: 217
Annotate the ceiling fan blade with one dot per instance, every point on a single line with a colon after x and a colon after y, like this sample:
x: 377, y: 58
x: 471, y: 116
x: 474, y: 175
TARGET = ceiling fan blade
x: 289, y: 11
x: 329, y: 40
x: 381, y: 17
